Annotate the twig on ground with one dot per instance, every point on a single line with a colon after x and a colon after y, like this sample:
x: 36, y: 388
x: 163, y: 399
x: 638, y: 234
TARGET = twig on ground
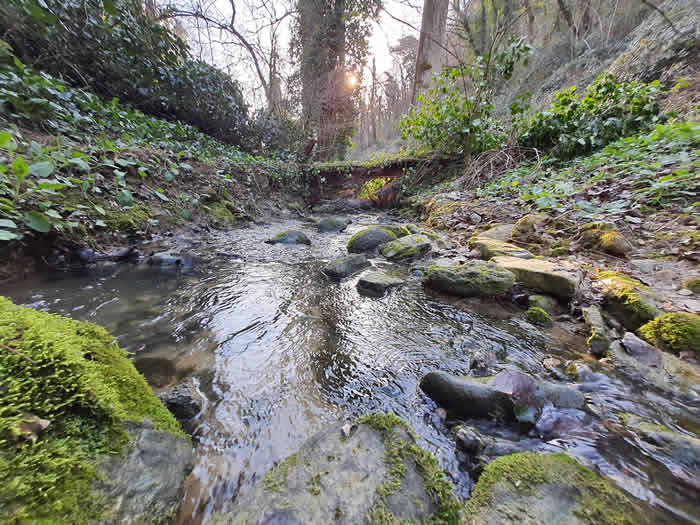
x: 20, y: 354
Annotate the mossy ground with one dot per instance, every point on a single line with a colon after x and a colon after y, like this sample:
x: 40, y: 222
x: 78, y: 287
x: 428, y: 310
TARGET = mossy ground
x: 397, y: 452
x: 693, y: 284
x: 600, y: 503
x: 74, y: 375
x: 128, y: 221
x: 677, y: 332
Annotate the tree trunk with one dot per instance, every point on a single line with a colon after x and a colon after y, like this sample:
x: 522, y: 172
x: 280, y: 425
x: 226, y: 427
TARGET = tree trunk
x: 431, y: 44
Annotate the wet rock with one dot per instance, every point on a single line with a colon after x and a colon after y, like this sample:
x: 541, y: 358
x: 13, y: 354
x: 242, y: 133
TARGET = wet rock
x: 675, y: 332
x: 290, y: 237
x: 538, y: 316
x: 541, y: 276
x: 184, y: 402
x: 376, y: 284
x: 533, y: 488
x: 562, y: 422
x: 466, y: 398
x: 602, y: 236
x: 545, y: 302
x: 489, y: 248
x: 627, y: 299
x: 408, y: 247
x: 369, y: 239
x: 170, y: 259
x: 346, y: 266
x: 472, y: 279
x: 147, y: 482
x: 641, y: 350
x: 599, y: 339
x: 500, y: 233
x: 333, y: 224
x: 536, y: 394
x: 342, y: 479
x: 469, y: 440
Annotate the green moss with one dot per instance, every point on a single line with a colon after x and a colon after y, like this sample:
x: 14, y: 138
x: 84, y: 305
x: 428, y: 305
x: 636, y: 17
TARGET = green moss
x: 276, y: 479
x: 313, y: 484
x: 692, y: 284
x: 220, y: 212
x: 397, y: 452
x: 609, y: 240
x: 624, y: 298
x: 678, y: 332
x: 74, y: 375
x: 129, y: 221
x: 388, y: 230
x: 599, y: 502
x: 538, y: 316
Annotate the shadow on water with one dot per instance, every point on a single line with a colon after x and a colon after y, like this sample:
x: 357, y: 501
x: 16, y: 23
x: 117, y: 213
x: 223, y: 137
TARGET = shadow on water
x: 279, y: 353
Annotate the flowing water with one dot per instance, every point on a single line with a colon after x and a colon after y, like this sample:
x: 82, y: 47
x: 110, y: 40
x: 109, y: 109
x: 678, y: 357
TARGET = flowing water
x: 278, y: 353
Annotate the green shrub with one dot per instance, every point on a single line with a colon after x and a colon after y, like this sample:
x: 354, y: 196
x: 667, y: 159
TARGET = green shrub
x: 574, y: 126
x: 116, y: 50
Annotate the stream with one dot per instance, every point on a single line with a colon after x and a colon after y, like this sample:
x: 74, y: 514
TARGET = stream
x: 278, y: 352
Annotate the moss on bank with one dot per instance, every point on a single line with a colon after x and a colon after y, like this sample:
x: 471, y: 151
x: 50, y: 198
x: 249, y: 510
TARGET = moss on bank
x: 599, y: 501
x: 73, y: 375
x: 626, y: 298
x: 677, y: 332
x: 128, y: 221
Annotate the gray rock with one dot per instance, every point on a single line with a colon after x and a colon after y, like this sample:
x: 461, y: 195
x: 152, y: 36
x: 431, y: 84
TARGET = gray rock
x: 170, y: 259
x: 472, y: 279
x: 370, y: 239
x: 333, y: 224
x: 463, y: 398
x: 408, y: 247
x: 489, y: 248
x: 376, y: 284
x: 290, y: 237
x: 547, y: 303
x: 339, y: 478
x: 500, y: 233
x: 346, y: 266
x: 641, y: 350
x: 541, y: 276
x: 184, y: 402
x: 599, y: 339
x: 146, y: 484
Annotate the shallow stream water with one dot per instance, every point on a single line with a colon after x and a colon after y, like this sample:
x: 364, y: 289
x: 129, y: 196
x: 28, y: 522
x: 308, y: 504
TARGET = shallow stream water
x: 279, y: 352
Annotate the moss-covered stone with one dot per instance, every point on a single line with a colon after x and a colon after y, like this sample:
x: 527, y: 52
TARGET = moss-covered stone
x: 221, y: 213
x: 692, y: 284
x: 73, y: 375
x: 290, y: 237
x: 678, y: 332
x: 538, y: 316
x: 128, y: 221
x: 526, y: 229
x: 627, y: 299
x: 545, y: 302
x: 408, y: 247
x: 370, y: 239
x: 542, y: 276
x: 489, y: 248
x: 602, y: 236
x: 473, y: 279
x: 554, y: 488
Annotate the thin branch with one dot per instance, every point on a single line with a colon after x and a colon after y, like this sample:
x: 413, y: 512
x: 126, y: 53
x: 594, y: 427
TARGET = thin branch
x: 18, y: 354
x: 656, y: 8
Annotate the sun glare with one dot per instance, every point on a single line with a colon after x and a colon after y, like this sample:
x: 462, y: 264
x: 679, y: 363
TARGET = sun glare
x: 351, y: 79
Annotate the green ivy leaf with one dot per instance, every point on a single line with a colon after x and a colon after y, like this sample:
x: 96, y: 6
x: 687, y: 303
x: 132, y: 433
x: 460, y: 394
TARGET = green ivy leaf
x: 41, y: 169
x: 9, y: 236
x: 20, y: 168
x: 37, y: 222
x: 7, y: 223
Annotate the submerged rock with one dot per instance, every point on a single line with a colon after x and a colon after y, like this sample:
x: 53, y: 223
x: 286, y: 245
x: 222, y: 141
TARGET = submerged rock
x: 344, y: 206
x: 376, y: 473
x: 376, y: 283
x: 408, y: 247
x: 114, y: 453
x: 290, y: 237
x: 489, y: 248
x: 541, y: 276
x: 627, y: 299
x: 535, y: 488
x: 170, y: 259
x: 346, y: 266
x: 184, y: 403
x: 333, y: 224
x: 599, y: 340
x: 370, y: 239
x: 472, y: 279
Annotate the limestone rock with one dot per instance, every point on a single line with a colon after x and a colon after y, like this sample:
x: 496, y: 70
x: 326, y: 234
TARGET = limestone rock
x: 290, y: 237
x: 376, y: 283
x: 677, y: 332
x: 500, y: 233
x: 408, y: 247
x: 346, y: 266
x: 541, y: 276
x: 472, y: 279
x: 526, y: 229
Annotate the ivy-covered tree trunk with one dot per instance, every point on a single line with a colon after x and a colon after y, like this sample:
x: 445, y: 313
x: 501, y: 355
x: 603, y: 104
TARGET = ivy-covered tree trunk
x: 431, y: 44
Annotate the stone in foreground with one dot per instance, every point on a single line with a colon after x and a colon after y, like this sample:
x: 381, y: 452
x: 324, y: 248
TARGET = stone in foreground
x: 376, y: 473
x: 346, y: 266
x: 408, y: 247
x: 370, y: 239
x: 376, y: 284
x: 290, y: 237
x: 473, y: 279
x: 533, y: 488
x: 541, y: 276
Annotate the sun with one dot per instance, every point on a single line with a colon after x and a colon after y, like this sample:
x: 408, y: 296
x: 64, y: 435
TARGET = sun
x: 351, y: 79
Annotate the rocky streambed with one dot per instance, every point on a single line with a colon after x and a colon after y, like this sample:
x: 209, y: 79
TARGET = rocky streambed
x: 359, y: 368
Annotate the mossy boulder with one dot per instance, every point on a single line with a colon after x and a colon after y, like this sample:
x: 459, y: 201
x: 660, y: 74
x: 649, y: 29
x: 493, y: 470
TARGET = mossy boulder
x: 290, y: 237
x: 602, y: 236
x: 332, y: 224
x: 677, y: 332
x: 527, y: 228
x: 545, y: 302
x: 538, y: 316
x: 82, y: 436
x: 374, y: 472
x: 530, y: 487
x: 627, y: 299
x: 369, y: 239
x: 489, y: 248
x: 128, y: 221
x: 502, y: 232
x: 692, y: 284
x: 541, y: 276
x: 346, y: 266
x: 376, y: 284
x: 408, y: 247
x: 472, y: 279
